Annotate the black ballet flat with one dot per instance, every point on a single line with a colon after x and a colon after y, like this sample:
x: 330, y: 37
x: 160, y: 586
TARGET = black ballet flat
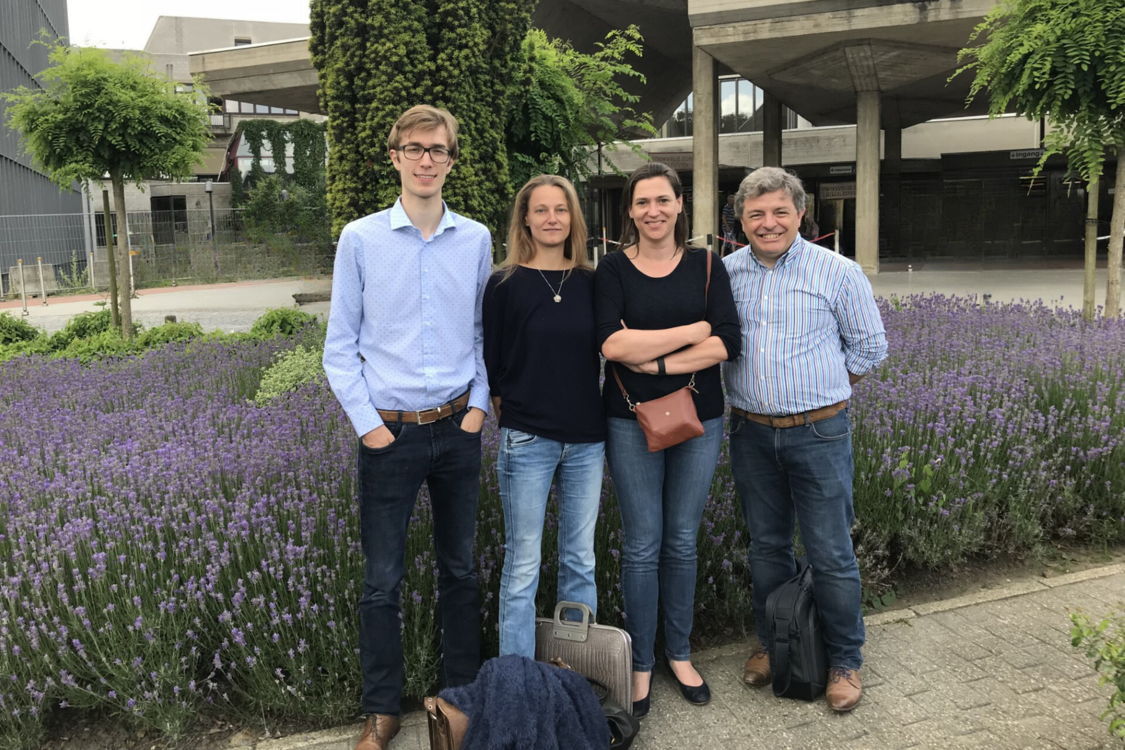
x: 640, y: 708
x: 698, y: 695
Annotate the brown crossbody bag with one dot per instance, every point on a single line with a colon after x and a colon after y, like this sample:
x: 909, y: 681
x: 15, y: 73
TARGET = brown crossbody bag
x: 672, y: 419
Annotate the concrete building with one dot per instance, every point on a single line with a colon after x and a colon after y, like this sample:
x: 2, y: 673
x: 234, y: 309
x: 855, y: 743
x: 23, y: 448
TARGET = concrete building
x: 852, y: 95
x: 28, y: 200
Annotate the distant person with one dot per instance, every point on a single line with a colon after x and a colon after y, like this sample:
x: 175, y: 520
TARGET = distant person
x: 810, y: 230
x: 810, y: 329
x: 729, y: 227
x: 662, y: 330
x: 404, y: 356
x: 543, y: 372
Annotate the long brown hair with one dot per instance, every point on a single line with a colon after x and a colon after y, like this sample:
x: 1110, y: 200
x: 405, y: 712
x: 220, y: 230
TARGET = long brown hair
x: 521, y: 248
x: 629, y: 234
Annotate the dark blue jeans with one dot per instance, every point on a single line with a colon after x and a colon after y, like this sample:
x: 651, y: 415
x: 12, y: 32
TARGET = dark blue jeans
x: 447, y: 459
x: 661, y: 496
x: 802, y: 473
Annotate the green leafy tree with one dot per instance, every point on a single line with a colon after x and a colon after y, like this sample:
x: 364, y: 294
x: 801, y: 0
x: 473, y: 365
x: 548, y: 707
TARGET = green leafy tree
x: 95, y: 117
x: 375, y: 58
x: 572, y: 102
x: 1063, y: 60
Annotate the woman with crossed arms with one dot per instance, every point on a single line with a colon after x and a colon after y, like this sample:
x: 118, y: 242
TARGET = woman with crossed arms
x: 657, y: 327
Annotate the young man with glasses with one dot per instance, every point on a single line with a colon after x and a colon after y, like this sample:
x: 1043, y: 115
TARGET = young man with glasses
x: 404, y: 356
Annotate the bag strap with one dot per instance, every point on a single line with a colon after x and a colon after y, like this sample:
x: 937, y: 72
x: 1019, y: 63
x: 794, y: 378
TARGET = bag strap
x: 781, y: 669
x: 691, y: 383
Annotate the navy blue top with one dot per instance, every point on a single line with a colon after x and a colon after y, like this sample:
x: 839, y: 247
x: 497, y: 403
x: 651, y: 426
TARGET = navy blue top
x: 542, y: 356
x: 646, y: 302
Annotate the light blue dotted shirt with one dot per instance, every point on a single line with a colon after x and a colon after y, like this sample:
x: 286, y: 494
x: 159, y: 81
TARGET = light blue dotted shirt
x: 404, y: 330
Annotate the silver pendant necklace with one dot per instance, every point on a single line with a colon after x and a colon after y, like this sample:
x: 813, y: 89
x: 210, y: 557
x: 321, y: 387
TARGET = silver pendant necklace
x: 556, y: 292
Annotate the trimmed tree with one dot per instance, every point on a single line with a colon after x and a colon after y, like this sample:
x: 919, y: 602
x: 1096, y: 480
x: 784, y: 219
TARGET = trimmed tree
x: 95, y: 117
x: 1063, y: 60
x: 375, y: 58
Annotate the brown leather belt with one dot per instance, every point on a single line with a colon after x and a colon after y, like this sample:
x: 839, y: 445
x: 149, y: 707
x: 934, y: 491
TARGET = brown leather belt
x: 792, y: 420
x: 426, y: 416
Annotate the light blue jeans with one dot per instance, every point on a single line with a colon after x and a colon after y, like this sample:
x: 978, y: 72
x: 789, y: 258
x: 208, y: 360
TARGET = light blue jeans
x: 526, y: 466
x: 662, y: 496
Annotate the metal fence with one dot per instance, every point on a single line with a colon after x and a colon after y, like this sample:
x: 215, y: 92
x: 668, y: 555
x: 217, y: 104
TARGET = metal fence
x: 187, y: 246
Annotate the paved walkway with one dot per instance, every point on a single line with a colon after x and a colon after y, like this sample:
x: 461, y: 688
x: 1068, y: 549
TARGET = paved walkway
x: 993, y: 669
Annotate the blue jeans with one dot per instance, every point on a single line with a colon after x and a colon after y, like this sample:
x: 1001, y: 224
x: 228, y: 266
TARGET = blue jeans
x: 802, y: 473
x: 447, y: 459
x: 526, y: 465
x: 661, y: 496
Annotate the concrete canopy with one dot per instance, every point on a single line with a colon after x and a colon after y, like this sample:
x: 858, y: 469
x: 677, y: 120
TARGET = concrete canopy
x: 280, y: 73
x: 814, y: 56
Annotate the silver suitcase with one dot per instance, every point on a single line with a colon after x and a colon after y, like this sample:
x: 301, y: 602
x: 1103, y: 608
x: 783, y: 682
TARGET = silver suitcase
x: 600, y: 652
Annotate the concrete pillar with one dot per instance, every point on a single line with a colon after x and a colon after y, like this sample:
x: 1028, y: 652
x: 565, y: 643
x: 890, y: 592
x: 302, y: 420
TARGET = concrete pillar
x: 867, y: 181
x: 892, y: 179
x: 771, y: 131
x: 705, y: 148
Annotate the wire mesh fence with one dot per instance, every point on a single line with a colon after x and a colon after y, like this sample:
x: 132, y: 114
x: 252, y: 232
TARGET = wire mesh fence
x: 190, y: 246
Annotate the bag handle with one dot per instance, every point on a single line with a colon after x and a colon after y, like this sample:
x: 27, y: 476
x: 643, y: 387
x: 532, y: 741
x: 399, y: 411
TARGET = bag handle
x: 691, y: 383
x: 572, y: 631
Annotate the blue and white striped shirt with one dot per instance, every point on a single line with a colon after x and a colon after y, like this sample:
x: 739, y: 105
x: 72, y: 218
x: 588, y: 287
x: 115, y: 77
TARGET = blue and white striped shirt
x: 806, y: 323
x: 405, y: 331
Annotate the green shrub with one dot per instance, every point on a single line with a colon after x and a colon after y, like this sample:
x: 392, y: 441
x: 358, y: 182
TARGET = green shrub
x: 82, y: 326
x: 13, y: 329
x: 108, y: 343
x: 281, y: 321
x: 167, y: 333
x: 40, y: 345
x: 289, y: 371
x: 1104, y: 643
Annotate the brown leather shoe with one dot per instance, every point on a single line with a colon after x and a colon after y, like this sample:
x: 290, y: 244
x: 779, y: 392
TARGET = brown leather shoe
x: 844, y: 689
x: 757, y: 672
x: 378, y: 731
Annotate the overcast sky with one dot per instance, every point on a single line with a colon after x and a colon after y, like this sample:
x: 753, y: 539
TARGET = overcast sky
x: 127, y: 23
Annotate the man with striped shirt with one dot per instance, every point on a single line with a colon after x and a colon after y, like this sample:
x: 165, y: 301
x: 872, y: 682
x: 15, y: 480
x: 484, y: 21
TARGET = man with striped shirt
x: 810, y: 329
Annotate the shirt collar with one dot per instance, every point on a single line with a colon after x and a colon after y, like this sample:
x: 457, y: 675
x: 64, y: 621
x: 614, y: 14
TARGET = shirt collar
x: 400, y: 220
x: 795, y: 249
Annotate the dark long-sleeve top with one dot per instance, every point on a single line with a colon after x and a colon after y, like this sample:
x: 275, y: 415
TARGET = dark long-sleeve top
x: 624, y: 293
x: 542, y: 356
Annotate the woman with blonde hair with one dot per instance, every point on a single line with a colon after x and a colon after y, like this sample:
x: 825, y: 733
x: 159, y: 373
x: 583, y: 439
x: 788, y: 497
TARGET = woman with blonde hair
x: 543, y: 370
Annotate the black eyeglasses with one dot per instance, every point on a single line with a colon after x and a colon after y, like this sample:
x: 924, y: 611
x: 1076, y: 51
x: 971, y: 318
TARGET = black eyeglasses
x: 438, y: 154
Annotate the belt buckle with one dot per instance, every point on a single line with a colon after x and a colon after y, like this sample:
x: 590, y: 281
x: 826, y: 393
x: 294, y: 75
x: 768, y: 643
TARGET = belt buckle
x: 428, y: 416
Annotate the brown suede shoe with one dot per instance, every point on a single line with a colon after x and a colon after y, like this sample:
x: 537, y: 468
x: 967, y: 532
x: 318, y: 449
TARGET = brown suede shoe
x: 757, y: 673
x: 844, y: 689
x: 378, y: 731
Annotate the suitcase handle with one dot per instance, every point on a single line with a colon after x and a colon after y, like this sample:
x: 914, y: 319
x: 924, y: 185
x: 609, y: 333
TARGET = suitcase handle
x: 572, y: 631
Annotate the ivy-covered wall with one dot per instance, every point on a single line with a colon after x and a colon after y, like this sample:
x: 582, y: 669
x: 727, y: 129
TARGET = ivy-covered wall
x: 376, y: 58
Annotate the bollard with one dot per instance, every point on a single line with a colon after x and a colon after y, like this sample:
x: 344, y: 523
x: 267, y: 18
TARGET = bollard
x: 42, y: 285
x: 23, y: 286
x: 132, y: 282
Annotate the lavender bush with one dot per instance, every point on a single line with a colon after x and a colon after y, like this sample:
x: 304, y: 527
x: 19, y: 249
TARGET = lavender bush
x: 168, y: 548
